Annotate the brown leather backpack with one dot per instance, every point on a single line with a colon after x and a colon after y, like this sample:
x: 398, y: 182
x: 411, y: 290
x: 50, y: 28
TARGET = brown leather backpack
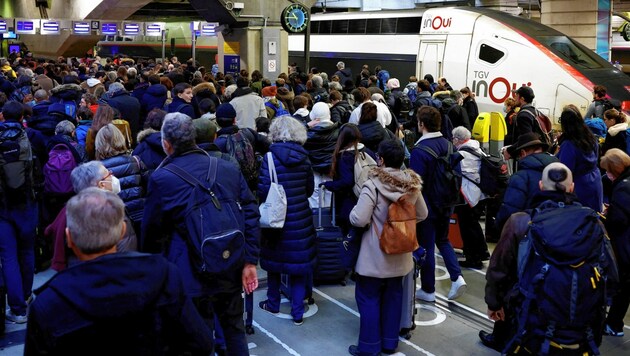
x: 399, y: 231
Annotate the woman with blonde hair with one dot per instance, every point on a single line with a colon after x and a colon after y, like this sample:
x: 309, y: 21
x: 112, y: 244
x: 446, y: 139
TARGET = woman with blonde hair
x: 111, y: 150
x: 617, y: 165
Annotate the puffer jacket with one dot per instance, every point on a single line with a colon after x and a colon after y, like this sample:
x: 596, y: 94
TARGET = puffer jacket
x: 179, y: 105
x: 618, y: 222
x: 616, y: 138
x: 290, y: 250
x: 154, y: 97
x: 338, y: 112
x: 384, y: 186
x: 320, y: 144
x: 523, y: 185
x: 373, y: 133
x: 149, y: 149
x: 471, y: 165
x: 128, y: 169
x: 586, y: 175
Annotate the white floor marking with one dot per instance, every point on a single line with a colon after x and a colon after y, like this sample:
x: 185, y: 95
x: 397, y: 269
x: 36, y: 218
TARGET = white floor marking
x: 355, y: 313
x: 310, y: 310
x: 439, y: 315
x: 251, y: 345
x: 274, y: 338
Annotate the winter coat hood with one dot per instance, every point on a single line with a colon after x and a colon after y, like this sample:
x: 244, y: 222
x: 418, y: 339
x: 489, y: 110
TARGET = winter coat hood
x: 157, y: 90
x: 614, y: 130
x: 147, y: 136
x: 203, y: 87
x: 393, y: 183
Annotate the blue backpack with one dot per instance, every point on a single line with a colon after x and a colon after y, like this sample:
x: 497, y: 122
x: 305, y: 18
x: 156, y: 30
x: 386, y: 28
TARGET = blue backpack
x: 563, y: 267
x: 213, y: 225
x: 443, y: 192
x: 383, y: 77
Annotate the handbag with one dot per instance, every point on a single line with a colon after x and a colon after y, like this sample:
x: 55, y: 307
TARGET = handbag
x: 273, y: 211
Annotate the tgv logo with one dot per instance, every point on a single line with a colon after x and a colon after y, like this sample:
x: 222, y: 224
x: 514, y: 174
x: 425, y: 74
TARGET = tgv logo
x: 437, y: 22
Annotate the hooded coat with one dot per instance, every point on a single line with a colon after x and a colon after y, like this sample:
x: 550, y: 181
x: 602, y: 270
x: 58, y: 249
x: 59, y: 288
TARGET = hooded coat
x: 384, y: 186
x: 129, y: 108
x: 136, y: 301
x: 586, y: 174
x: 320, y: 145
x: 616, y: 138
x: 154, y: 97
x: 150, y: 149
x: 291, y: 249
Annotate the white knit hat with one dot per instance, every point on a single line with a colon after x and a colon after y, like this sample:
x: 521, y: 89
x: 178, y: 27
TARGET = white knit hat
x: 320, y: 111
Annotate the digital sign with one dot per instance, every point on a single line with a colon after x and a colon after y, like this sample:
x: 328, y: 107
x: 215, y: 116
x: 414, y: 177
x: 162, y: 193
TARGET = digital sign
x: 132, y: 29
x: 81, y: 28
x: 49, y: 27
x: 154, y: 28
x: 4, y: 28
x: 109, y: 28
x: 25, y: 27
x: 209, y: 29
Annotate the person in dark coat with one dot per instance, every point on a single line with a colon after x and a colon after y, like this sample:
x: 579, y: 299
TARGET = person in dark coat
x: 579, y: 150
x: 155, y: 95
x: 532, y: 159
x: 163, y: 230
x: 617, y: 166
x: 372, y: 131
x: 341, y: 110
x: 182, y: 100
x: 127, y: 105
x: 112, y: 152
x: 149, y: 148
x: 343, y: 73
x: 290, y: 250
x: 322, y: 136
x: 616, y: 122
x: 136, y: 301
x: 470, y: 105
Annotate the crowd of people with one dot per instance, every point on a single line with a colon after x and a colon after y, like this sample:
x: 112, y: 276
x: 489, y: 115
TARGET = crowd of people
x: 113, y: 162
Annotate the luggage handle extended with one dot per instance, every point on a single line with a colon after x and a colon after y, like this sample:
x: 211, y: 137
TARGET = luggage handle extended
x: 321, y: 193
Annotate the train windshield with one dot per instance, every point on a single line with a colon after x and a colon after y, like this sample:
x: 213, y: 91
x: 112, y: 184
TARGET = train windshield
x: 568, y: 50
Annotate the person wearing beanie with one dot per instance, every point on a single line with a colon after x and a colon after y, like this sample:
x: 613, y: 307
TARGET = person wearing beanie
x: 247, y: 103
x: 273, y: 106
x: 321, y: 138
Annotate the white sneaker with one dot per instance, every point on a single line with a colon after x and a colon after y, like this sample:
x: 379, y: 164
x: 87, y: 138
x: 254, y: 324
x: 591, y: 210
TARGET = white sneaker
x: 427, y: 297
x: 18, y: 319
x: 458, y: 288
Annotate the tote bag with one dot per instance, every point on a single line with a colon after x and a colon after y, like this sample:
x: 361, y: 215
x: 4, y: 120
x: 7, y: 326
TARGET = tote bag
x: 273, y: 211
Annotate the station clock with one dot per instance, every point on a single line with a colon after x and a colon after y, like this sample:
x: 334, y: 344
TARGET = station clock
x: 294, y: 18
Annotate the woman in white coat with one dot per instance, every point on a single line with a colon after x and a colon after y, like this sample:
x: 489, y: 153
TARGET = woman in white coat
x: 379, y: 286
x: 475, y: 247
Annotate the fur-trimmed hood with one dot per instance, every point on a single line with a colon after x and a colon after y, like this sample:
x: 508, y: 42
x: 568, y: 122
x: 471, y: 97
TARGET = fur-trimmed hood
x: 203, y: 87
x: 614, y: 130
x: 65, y: 87
x: 145, y: 133
x: 393, y: 183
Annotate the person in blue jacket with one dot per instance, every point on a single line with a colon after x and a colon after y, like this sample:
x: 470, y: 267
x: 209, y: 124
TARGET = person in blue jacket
x: 155, y: 95
x: 149, y: 148
x: 579, y: 150
x: 182, y: 100
x: 290, y: 250
x: 135, y: 301
x: 164, y: 229
x: 532, y: 157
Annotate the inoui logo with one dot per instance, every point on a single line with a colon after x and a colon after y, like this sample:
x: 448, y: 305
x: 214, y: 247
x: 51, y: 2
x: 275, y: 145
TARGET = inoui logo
x: 497, y: 89
x: 437, y: 22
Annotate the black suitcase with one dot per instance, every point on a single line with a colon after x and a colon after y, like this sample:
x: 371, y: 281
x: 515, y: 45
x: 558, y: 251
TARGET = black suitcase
x: 329, y: 248
x: 249, y: 313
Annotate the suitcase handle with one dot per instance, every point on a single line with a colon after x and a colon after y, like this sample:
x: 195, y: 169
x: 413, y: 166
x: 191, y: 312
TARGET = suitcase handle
x: 322, y: 191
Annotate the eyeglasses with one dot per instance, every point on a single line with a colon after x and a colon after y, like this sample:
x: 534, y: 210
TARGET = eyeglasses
x: 109, y: 174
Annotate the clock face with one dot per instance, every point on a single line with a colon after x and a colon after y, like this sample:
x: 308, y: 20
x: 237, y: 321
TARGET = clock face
x: 294, y: 18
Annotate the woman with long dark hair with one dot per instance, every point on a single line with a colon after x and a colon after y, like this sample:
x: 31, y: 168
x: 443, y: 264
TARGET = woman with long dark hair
x: 579, y: 151
x: 346, y: 153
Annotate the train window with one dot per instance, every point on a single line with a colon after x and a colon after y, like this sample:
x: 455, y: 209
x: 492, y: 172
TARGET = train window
x: 409, y: 25
x: 314, y: 26
x: 570, y: 51
x: 373, y: 26
x: 357, y: 26
x: 324, y: 27
x: 490, y: 54
x: 340, y: 26
x: 388, y: 25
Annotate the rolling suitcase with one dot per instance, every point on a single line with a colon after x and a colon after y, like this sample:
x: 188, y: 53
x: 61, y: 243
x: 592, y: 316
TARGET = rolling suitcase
x: 454, y: 232
x: 329, y: 248
x: 409, y: 310
x: 249, y: 313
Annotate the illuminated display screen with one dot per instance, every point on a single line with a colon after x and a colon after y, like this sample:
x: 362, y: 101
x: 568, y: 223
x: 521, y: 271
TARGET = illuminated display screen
x: 25, y: 27
x: 132, y: 29
x: 3, y: 26
x: 208, y: 29
x: 81, y: 28
x: 154, y: 29
x: 109, y: 29
x: 49, y: 28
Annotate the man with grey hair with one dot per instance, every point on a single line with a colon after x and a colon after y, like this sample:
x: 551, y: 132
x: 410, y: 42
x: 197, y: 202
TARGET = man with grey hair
x: 135, y: 301
x: 343, y: 73
x: 168, y: 227
x: 128, y: 106
x: 318, y: 92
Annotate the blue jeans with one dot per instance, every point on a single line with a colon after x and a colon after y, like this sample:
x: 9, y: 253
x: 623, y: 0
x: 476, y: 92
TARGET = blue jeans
x: 18, y: 227
x: 380, y: 304
x: 432, y: 232
x: 298, y: 293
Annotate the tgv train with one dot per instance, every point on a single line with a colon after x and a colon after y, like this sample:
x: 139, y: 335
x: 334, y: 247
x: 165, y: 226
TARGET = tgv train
x: 489, y: 51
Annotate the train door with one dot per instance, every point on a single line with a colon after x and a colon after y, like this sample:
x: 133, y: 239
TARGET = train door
x: 565, y: 96
x: 430, y: 58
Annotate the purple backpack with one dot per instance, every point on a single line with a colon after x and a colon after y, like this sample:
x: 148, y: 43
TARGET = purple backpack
x: 57, y: 170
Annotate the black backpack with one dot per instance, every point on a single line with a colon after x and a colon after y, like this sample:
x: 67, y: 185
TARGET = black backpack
x: 213, y: 223
x: 406, y: 105
x: 16, y: 163
x: 493, y: 173
x: 443, y: 191
x: 564, y: 263
x: 239, y: 147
